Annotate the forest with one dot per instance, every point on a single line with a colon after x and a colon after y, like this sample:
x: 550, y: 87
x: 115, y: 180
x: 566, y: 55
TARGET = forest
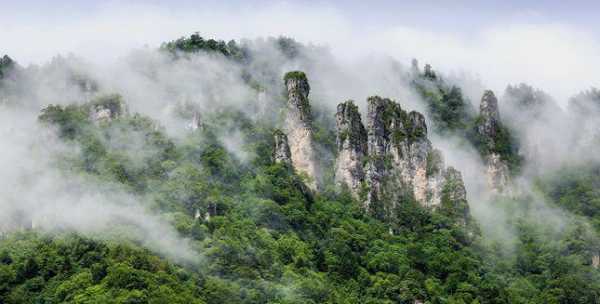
x: 246, y: 227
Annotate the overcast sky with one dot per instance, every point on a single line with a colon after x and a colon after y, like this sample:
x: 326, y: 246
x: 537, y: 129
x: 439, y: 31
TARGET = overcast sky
x: 554, y: 45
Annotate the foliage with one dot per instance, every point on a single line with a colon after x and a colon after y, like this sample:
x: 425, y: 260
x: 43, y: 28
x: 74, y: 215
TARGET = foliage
x: 265, y: 238
x: 453, y: 114
x: 195, y: 43
x: 575, y: 189
x: 73, y: 269
x: 295, y: 75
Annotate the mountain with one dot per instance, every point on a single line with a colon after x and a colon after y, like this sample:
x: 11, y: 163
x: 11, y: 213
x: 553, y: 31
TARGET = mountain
x: 251, y: 172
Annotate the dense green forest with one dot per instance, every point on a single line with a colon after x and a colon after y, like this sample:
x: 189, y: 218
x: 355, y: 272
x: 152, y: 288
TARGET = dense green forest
x: 261, y: 237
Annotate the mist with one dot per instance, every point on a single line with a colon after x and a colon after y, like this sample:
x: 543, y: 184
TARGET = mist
x: 343, y: 61
x: 38, y: 192
x: 556, y: 56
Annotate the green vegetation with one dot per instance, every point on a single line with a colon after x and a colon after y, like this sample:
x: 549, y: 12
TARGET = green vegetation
x: 575, y: 189
x: 504, y: 144
x: 195, y: 43
x: 295, y: 75
x: 262, y: 237
x: 452, y: 114
x: 70, y: 269
x: 268, y: 239
x: 434, y: 162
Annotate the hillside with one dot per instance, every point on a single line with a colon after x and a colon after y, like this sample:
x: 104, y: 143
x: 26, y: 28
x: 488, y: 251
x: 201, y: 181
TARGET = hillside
x: 220, y: 172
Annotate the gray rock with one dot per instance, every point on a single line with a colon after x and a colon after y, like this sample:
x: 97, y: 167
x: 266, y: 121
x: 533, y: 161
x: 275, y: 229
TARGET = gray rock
x: 402, y: 160
x: 107, y: 108
x: 498, y: 178
x: 498, y: 175
x: 351, y: 147
x: 281, y: 151
x: 490, y: 117
x: 298, y: 126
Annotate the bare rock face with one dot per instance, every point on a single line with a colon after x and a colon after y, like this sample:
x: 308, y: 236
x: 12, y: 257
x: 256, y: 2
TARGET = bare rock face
x: 298, y: 125
x: 107, y: 108
x: 298, y: 105
x: 6, y: 64
x: 498, y: 174
x: 281, y: 151
x: 401, y: 160
x: 195, y: 123
x: 490, y: 116
x: 351, y: 147
x: 378, y: 145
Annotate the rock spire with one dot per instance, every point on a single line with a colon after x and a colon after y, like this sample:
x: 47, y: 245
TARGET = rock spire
x: 298, y: 126
x: 351, y: 143
x: 391, y: 158
x: 489, y: 129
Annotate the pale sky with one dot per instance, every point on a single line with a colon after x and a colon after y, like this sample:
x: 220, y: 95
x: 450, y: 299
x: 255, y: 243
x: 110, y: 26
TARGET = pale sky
x: 553, y: 45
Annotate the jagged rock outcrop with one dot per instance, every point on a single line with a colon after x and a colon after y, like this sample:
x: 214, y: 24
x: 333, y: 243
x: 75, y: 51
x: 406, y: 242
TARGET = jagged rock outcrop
x: 6, y: 64
x: 107, y: 108
x: 489, y: 128
x: 298, y: 126
x: 281, y: 151
x: 401, y: 153
x: 395, y: 159
x: 497, y: 173
x: 377, y: 139
x: 351, y: 147
x: 490, y: 116
x: 195, y: 123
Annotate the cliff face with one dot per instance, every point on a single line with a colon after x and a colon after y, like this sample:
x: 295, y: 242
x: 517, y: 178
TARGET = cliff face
x: 195, y: 123
x: 6, y: 64
x: 107, y: 108
x: 398, y: 159
x: 497, y: 174
x: 351, y: 147
x: 298, y: 126
x: 381, y: 163
x: 489, y: 128
x: 402, y: 154
x: 281, y: 151
x: 490, y: 116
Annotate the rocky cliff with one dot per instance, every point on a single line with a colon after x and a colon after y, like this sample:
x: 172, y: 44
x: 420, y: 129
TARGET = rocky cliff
x: 298, y: 126
x: 395, y: 159
x: 489, y: 128
x: 107, y: 108
x: 6, y: 64
x: 351, y: 143
x: 195, y: 122
x: 281, y: 151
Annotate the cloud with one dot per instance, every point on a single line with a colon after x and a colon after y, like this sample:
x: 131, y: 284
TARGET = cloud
x: 35, y: 192
x: 358, y: 61
x: 558, y: 58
